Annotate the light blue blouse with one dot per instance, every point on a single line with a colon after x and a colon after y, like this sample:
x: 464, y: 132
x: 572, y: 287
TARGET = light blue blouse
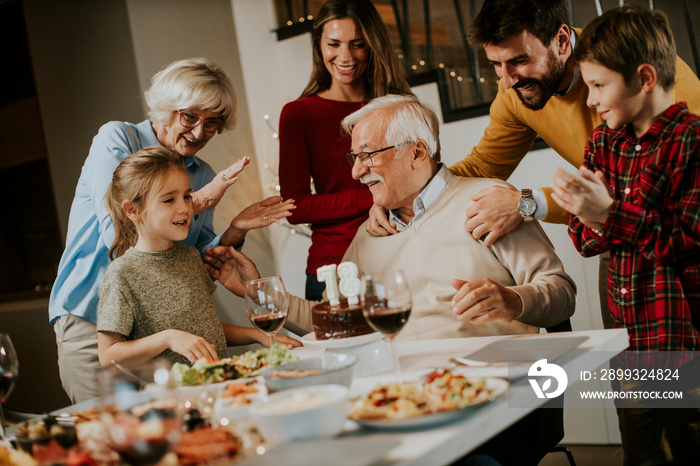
x: 90, y: 231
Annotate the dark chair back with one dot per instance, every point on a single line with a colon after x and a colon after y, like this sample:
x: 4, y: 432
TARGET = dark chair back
x: 561, y: 327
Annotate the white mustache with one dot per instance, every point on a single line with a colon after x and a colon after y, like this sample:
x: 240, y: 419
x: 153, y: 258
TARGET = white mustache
x: 370, y: 178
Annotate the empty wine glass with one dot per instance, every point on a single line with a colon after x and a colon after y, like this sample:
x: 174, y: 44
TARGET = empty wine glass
x: 9, y: 368
x: 140, y: 425
x: 387, y: 306
x: 266, y: 304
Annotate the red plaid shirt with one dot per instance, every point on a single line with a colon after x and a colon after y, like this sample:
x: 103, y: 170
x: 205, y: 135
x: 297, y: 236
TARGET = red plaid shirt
x: 653, y: 231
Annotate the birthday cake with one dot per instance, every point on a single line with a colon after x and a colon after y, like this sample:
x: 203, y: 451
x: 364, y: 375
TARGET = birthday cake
x: 338, y: 321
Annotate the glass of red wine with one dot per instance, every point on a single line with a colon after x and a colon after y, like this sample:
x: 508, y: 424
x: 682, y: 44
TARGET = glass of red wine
x: 386, y: 306
x: 266, y: 304
x: 9, y: 368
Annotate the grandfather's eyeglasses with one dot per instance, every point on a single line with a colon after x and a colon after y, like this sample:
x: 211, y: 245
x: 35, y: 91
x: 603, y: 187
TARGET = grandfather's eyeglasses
x: 191, y: 121
x: 365, y: 157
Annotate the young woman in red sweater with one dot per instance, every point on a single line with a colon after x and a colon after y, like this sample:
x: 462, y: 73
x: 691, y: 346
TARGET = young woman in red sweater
x: 353, y: 62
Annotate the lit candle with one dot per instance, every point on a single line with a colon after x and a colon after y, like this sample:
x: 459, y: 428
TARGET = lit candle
x: 350, y: 284
x: 327, y: 275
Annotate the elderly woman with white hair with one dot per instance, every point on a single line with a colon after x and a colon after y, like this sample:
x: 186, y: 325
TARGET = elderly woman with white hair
x: 189, y: 102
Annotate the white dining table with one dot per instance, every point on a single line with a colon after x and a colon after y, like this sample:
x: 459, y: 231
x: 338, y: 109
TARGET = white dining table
x: 444, y: 443
x: 441, y: 443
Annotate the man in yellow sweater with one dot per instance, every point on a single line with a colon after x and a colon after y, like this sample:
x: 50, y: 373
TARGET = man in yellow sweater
x: 530, y: 44
x: 540, y: 92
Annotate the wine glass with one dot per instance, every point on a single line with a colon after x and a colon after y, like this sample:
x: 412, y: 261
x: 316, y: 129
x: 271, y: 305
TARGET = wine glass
x: 266, y: 304
x: 9, y: 368
x: 386, y: 306
x: 140, y: 425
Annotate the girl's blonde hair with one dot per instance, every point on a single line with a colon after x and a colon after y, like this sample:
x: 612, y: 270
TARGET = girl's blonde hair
x: 136, y: 177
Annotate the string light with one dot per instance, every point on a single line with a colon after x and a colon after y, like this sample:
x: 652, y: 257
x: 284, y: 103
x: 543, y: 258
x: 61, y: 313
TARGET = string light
x: 301, y: 229
x: 301, y: 19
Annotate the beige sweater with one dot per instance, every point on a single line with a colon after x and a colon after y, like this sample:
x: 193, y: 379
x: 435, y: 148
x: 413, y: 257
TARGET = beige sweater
x: 437, y: 248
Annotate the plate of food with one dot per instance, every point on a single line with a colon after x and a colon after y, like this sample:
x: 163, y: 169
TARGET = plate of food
x: 247, y: 365
x: 444, y: 395
x: 310, y: 340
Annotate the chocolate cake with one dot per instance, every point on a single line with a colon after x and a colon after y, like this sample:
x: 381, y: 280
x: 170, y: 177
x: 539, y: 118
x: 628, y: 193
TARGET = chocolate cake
x: 341, y: 321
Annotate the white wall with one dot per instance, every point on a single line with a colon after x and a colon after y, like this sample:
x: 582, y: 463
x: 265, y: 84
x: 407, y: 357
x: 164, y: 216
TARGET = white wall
x: 274, y: 74
x: 85, y: 75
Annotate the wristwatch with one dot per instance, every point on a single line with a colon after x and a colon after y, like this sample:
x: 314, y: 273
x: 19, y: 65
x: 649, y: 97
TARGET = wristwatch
x: 527, y: 205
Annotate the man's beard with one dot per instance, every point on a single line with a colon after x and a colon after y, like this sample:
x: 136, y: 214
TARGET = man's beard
x: 547, y: 85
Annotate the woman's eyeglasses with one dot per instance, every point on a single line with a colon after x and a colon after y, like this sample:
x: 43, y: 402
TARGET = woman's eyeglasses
x: 191, y: 121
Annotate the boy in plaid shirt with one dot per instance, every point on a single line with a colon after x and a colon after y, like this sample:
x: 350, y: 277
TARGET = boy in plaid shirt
x: 638, y: 196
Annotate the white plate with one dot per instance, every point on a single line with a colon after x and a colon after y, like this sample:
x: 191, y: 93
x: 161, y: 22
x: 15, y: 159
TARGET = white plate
x: 499, y: 387
x: 527, y: 348
x: 310, y: 340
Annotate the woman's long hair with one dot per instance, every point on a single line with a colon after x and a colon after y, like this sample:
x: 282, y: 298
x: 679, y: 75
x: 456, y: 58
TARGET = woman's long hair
x: 136, y: 177
x: 384, y: 75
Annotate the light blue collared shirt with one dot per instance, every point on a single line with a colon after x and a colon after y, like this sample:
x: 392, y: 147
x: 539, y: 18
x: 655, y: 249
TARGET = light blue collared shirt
x: 90, y: 230
x: 426, y: 198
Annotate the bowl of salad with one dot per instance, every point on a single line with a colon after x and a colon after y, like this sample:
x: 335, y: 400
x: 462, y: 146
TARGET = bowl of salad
x: 250, y: 364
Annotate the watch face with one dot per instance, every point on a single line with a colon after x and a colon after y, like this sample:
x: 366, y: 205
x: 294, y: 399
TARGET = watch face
x: 527, y: 207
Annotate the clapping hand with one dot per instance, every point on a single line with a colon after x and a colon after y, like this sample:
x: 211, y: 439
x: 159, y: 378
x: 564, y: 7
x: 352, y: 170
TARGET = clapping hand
x: 209, y: 196
x: 584, y: 195
x: 263, y: 213
x: 258, y: 215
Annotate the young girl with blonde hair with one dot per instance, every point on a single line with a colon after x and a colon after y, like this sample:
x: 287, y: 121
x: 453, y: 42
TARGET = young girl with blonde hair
x: 155, y: 299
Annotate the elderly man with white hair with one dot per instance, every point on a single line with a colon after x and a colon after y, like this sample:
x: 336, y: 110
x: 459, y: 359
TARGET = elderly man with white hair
x: 460, y: 286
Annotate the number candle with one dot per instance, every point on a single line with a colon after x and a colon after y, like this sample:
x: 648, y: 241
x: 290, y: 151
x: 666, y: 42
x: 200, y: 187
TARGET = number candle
x: 350, y: 284
x: 327, y: 275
